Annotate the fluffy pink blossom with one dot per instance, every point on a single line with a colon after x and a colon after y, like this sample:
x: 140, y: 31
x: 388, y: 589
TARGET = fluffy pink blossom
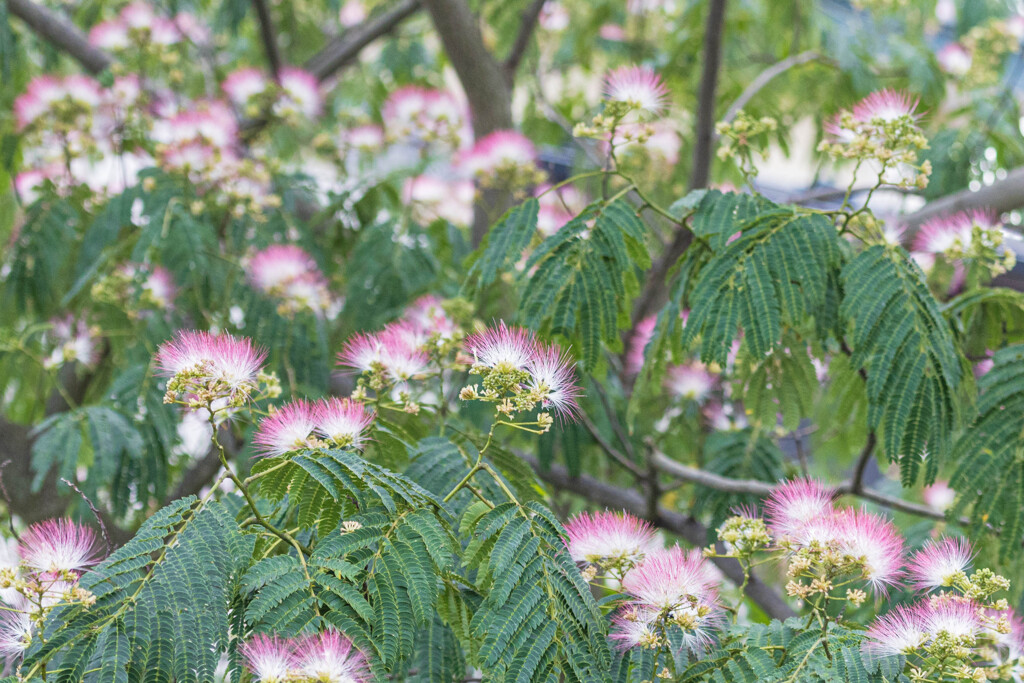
x: 939, y: 496
x: 287, y: 429
x: 15, y: 634
x: 937, y: 563
x: 419, y: 115
x: 633, y: 627
x: 433, y: 197
x: 690, y: 381
x: 637, y: 345
x: 74, y: 340
x: 954, y: 59
x: 300, y: 93
x: 222, y: 357
x: 361, y: 351
x: 953, y: 616
x: 499, y: 150
x: 242, y: 85
x: 616, y: 536
x: 552, y: 377
x: 877, y: 542
x: 59, y: 545
x: 402, y: 354
x: 638, y: 86
x: 795, y: 503
x: 900, y: 631
x: 887, y: 105
x: 367, y: 137
x: 273, y: 267
x: 269, y: 658
x: 427, y: 316
x: 43, y: 92
x: 942, y: 233
x: 343, y: 421
x: 332, y: 658
x: 110, y: 35
x: 509, y: 348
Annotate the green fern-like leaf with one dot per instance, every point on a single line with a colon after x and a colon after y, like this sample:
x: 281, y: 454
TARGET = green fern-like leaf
x: 914, y: 370
x: 585, y: 278
x: 504, y: 244
x: 990, y: 453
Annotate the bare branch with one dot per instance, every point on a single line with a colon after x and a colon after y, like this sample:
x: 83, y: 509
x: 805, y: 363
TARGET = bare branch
x: 764, y: 78
x: 705, y: 128
x: 1003, y: 195
x: 526, y: 28
x: 269, y: 36
x: 62, y: 33
x: 709, y: 479
x: 344, y: 49
x: 857, y: 484
x: 689, y: 529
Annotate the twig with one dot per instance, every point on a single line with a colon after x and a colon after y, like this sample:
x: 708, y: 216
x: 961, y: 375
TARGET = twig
x: 764, y: 78
x: 608, y: 448
x: 857, y: 484
x: 269, y: 36
x: 345, y: 48
x: 63, y: 34
x: 705, y: 127
x: 526, y: 28
x: 95, y: 513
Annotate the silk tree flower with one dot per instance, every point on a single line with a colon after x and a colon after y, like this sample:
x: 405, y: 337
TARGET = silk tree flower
x: 287, y: 272
x: 940, y: 563
x: 211, y: 358
x: 793, y: 504
x: 110, y: 35
x: 420, y: 115
x: 939, y: 496
x: 954, y: 59
x: 610, y: 539
x: 504, y: 158
x: 432, y: 198
x: 553, y: 382
x: 15, y: 634
x: 361, y: 352
x: 270, y: 659
x: 633, y: 627
x: 74, y: 340
x: 426, y: 315
x: 300, y: 94
x: 244, y: 85
x: 637, y: 345
x: 59, y: 545
x: 900, y: 631
x: 942, y: 234
x: 289, y: 428
x: 953, y: 616
x: 886, y: 105
x: 331, y: 658
x: 45, y: 93
x: 502, y: 348
x: 679, y: 587
x: 690, y: 381
x: 402, y: 353
x: 876, y: 543
x: 637, y: 86
x: 155, y: 283
x: 343, y: 421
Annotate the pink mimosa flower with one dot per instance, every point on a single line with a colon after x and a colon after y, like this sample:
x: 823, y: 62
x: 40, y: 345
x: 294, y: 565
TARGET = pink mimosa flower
x: 616, y: 536
x: 287, y: 429
x: 59, y: 545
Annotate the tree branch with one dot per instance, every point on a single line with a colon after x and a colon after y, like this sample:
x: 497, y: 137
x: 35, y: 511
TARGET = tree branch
x: 490, y: 98
x: 764, y: 78
x: 705, y: 128
x: 344, y: 49
x: 62, y: 33
x: 526, y: 28
x: 1003, y: 195
x: 268, y: 35
x: 689, y: 529
x: 709, y: 479
x: 857, y: 484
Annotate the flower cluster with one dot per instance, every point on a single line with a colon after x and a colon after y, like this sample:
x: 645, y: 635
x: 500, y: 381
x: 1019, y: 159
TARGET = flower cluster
x: 139, y: 29
x: 882, y: 128
x: 504, y: 159
x: 969, y: 235
x: 327, y: 423
x: 519, y: 373
x: 72, y: 340
x: 983, y: 51
x: 218, y: 373
x: 632, y: 96
x: 138, y: 287
x: 742, y: 138
x: 293, y: 98
x: 424, y: 117
x: 329, y: 657
x: 289, y: 274
x: 40, y: 574
x: 951, y: 631
x: 612, y: 541
x: 433, y: 197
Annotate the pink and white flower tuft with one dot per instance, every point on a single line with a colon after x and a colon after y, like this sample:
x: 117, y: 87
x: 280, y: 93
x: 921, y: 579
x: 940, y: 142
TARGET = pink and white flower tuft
x: 900, y: 631
x: 15, y: 634
x: 287, y: 272
x: 343, y: 421
x: 59, y: 545
x: 502, y: 149
x: 300, y: 94
x: 793, y: 504
x: 553, y: 379
x: 243, y: 85
x: 361, y: 352
x: 287, y: 429
x: 876, y: 542
x: 953, y: 616
x: 610, y: 538
x: 502, y: 347
x: 638, y: 86
x: 269, y: 658
x: 887, y: 105
x: 331, y: 657
x: 220, y: 357
x: 632, y: 627
x: 937, y: 564
x: 944, y: 233
x: 690, y: 381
